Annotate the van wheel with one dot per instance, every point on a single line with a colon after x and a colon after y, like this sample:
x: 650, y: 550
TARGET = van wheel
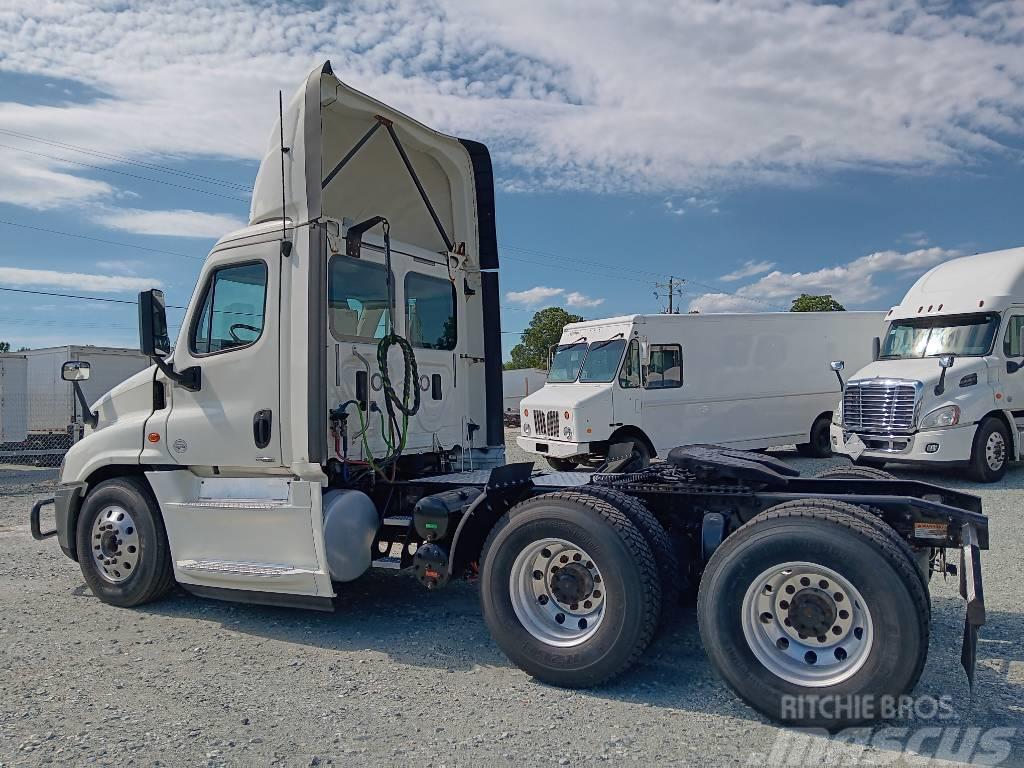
x: 569, y: 589
x: 991, y: 452
x: 820, y: 444
x: 122, y: 545
x: 811, y: 604
x: 561, y: 465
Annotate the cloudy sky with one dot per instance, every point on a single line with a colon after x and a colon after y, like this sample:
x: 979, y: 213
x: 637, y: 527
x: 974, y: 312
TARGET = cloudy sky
x: 755, y: 150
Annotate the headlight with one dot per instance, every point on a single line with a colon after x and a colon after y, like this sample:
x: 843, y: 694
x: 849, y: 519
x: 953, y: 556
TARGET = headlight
x: 567, y: 433
x: 526, y: 427
x: 946, y: 416
x: 837, y: 415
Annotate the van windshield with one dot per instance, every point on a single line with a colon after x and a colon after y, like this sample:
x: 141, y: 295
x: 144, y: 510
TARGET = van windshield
x: 591, y: 363
x: 565, y: 365
x: 960, y: 335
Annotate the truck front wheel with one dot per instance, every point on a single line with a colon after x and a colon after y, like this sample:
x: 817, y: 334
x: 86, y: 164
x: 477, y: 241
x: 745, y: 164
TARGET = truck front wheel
x: 991, y: 452
x: 569, y: 589
x: 814, y: 617
x: 122, y: 544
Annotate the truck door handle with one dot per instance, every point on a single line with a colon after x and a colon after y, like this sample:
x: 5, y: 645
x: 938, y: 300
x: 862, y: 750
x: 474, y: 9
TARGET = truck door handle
x: 262, y: 427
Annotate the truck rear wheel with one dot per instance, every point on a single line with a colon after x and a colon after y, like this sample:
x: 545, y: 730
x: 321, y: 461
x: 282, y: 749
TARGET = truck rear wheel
x: 814, y: 617
x: 991, y: 452
x: 122, y: 544
x: 569, y: 588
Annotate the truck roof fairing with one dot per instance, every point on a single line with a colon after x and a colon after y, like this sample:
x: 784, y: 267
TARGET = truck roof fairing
x: 325, y: 120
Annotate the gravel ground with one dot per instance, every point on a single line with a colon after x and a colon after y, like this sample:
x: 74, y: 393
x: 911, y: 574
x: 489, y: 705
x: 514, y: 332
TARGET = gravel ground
x: 400, y: 676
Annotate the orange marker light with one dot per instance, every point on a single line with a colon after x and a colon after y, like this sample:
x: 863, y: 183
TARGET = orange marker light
x: 526, y: 411
x: 153, y: 437
x: 567, y: 414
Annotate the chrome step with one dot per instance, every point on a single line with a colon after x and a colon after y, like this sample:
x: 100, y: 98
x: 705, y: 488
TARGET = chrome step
x: 391, y: 563
x: 226, y: 566
x: 398, y: 521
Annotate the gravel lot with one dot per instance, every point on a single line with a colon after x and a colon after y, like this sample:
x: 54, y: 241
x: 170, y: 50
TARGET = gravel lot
x: 400, y: 676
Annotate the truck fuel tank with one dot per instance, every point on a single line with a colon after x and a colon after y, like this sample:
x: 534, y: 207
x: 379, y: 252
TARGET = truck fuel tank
x: 350, y: 526
x: 439, y: 513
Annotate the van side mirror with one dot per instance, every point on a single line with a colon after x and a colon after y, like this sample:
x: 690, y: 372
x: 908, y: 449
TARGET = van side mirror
x: 75, y: 370
x: 153, y: 338
x: 645, y: 353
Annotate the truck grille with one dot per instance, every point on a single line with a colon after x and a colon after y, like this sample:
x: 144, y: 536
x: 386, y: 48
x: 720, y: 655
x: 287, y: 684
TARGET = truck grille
x: 545, y: 423
x: 880, y: 406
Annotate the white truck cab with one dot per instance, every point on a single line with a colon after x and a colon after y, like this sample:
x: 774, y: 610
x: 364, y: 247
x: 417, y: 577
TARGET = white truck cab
x: 946, y: 389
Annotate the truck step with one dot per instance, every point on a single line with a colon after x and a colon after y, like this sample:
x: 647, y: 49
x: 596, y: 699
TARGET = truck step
x: 398, y: 521
x: 392, y: 563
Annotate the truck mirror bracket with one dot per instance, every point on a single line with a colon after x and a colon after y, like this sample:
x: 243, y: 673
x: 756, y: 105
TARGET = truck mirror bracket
x: 190, y: 378
x: 91, y: 418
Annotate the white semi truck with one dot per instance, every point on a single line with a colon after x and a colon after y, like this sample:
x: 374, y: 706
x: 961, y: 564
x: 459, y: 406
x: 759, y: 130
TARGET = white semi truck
x: 946, y: 389
x: 749, y: 381
x: 333, y: 403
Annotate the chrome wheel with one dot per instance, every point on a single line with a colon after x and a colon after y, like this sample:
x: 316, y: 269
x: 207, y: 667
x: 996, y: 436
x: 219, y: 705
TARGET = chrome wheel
x: 807, y: 624
x: 115, y: 544
x: 995, y: 451
x: 557, y: 592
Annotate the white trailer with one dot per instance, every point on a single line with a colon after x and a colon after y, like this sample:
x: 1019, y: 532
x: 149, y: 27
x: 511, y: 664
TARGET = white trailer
x: 517, y: 384
x: 947, y: 388
x: 13, y: 398
x: 51, y: 404
x: 741, y: 380
x: 283, y: 448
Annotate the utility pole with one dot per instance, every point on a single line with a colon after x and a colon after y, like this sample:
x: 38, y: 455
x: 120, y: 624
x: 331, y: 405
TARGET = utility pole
x: 673, y: 286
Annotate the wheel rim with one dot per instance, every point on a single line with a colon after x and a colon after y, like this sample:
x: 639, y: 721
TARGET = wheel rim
x: 115, y: 544
x: 786, y: 607
x: 557, y: 592
x: 995, y: 451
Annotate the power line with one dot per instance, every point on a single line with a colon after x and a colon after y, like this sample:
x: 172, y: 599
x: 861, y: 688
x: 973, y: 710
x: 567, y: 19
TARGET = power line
x: 81, y: 296
x: 129, y: 161
x: 100, y: 240
x: 123, y: 173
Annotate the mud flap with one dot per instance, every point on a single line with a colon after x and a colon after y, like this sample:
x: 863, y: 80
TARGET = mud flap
x: 971, y: 590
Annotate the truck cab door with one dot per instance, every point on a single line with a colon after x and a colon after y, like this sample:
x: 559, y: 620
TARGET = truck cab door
x: 1012, y: 384
x: 232, y: 334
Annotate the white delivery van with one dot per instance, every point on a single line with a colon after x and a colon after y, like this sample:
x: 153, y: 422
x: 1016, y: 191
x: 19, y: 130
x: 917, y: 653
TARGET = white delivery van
x: 742, y: 380
x: 946, y: 388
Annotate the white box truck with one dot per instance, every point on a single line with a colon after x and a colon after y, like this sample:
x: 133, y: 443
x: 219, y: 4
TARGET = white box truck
x: 947, y: 388
x: 13, y: 398
x: 742, y: 380
x: 333, y: 404
x: 52, y: 406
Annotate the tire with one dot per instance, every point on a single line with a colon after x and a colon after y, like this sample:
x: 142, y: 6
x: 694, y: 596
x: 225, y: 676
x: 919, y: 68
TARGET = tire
x: 870, y: 463
x: 820, y: 444
x: 670, y: 573
x: 854, y: 473
x: 117, y: 516
x: 561, y: 465
x: 642, y: 452
x: 991, y: 442
x: 618, y: 633
x: 884, y: 660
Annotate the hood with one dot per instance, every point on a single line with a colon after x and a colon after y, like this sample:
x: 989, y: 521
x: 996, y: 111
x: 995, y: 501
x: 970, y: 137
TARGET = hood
x: 348, y: 158
x: 569, y: 396
x: 130, y: 396
x: 926, y: 369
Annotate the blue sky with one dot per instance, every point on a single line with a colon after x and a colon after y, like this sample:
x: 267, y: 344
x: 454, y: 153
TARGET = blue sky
x: 755, y: 150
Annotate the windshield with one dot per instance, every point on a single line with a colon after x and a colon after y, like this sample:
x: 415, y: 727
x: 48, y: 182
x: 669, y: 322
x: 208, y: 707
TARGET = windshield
x: 565, y: 365
x: 960, y: 335
x: 602, y: 360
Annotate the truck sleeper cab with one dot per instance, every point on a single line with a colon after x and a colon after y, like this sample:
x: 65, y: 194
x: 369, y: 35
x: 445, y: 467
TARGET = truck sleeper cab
x: 945, y: 389
x: 333, y: 403
x: 752, y: 380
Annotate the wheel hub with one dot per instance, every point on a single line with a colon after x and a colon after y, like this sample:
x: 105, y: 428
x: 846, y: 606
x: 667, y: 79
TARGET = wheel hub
x: 115, y: 544
x: 571, y: 584
x: 812, y: 612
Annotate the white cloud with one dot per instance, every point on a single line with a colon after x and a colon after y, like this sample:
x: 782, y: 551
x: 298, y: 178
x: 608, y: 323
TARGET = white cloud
x: 726, y: 302
x: 177, y: 223
x: 850, y: 283
x: 565, y: 99
x: 673, y: 209
x: 49, y: 278
x: 532, y: 297
x: 748, y: 269
x: 920, y: 239
x: 120, y: 266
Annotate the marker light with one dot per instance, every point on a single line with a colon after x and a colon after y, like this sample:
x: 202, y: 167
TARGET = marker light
x: 153, y: 437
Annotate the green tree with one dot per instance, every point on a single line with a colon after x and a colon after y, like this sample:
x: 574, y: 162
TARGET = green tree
x: 544, y: 330
x: 5, y: 346
x: 808, y: 303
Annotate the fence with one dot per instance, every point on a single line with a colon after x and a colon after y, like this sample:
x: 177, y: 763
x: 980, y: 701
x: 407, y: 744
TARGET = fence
x: 36, y: 429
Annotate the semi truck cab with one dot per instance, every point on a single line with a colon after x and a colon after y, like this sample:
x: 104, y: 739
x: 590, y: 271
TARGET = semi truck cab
x: 946, y: 388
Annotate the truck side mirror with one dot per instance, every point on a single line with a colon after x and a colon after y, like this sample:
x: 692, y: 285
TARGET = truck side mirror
x: 837, y: 366
x: 75, y: 370
x: 876, y: 348
x: 945, y: 362
x: 153, y: 338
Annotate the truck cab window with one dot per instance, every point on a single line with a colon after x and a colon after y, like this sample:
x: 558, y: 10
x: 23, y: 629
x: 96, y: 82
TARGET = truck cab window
x: 357, y: 294
x: 629, y: 375
x: 666, y: 368
x: 430, y: 312
x: 232, y: 309
x: 1011, y: 341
